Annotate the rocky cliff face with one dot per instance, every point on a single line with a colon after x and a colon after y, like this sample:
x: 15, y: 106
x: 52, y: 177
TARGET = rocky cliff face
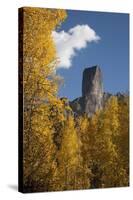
x: 92, y: 92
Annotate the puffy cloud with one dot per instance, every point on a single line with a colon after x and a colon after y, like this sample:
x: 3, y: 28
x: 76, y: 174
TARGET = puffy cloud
x: 67, y: 43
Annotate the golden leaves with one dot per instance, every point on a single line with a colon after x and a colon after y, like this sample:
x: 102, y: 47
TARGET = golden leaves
x: 61, y: 151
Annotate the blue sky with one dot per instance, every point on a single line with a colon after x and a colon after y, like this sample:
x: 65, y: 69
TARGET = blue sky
x: 111, y: 52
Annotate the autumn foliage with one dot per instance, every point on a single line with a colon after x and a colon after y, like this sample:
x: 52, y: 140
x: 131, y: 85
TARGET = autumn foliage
x: 61, y: 151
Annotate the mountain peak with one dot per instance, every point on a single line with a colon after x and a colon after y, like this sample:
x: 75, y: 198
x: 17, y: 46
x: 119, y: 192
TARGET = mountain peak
x: 92, y: 91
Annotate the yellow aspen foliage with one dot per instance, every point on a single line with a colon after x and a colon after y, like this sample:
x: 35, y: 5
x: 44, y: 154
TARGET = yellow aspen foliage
x: 112, y: 173
x: 84, y: 136
x: 94, y: 149
x: 40, y: 92
x: 39, y: 53
x: 123, y: 137
x: 58, y: 112
x: 111, y: 120
x: 101, y: 149
x: 69, y: 158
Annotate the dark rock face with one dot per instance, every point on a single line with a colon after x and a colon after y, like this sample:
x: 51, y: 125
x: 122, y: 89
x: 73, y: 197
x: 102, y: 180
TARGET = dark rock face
x: 77, y: 105
x: 92, y: 92
x: 92, y: 89
x: 93, y: 97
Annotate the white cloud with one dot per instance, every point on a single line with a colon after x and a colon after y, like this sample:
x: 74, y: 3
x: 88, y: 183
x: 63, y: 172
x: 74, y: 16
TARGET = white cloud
x: 67, y: 43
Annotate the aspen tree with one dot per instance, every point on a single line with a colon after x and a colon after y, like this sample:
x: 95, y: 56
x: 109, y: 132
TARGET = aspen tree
x: 40, y: 91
